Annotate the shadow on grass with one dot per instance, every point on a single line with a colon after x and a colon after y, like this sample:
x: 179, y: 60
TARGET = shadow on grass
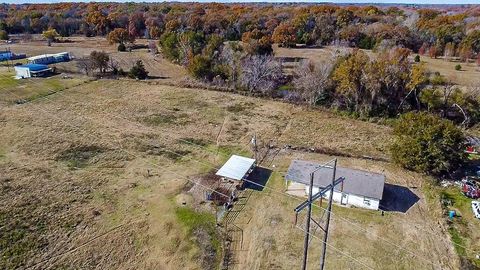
x: 258, y: 178
x: 397, y: 198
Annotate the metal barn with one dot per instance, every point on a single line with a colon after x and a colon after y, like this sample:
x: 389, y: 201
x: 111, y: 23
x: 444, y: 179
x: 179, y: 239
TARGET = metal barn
x: 31, y: 70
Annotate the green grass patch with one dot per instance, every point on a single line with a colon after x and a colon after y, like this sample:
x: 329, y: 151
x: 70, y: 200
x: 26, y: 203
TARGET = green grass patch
x: 458, y: 201
x: 19, y: 237
x: 25, y: 90
x: 193, y: 141
x: 192, y: 219
x: 7, y: 80
x: 458, y: 241
x: 201, y: 228
x: 286, y: 87
x: 225, y: 151
x: 460, y: 227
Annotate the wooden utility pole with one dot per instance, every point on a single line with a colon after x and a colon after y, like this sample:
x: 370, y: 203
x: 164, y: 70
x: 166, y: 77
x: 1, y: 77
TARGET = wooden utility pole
x: 307, y: 223
x: 254, y: 145
x: 308, y: 204
x: 327, y: 222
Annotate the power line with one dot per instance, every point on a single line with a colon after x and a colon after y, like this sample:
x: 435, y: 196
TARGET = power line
x: 336, y: 249
x: 130, y: 154
x: 89, y: 241
x: 71, y: 250
x: 210, y: 165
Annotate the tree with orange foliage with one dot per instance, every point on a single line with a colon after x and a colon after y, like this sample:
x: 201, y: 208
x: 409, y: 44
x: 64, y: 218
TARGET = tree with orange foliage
x: 120, y: 36
x: 256, y: 42
x: 97, y: 19
x: 284, y: 34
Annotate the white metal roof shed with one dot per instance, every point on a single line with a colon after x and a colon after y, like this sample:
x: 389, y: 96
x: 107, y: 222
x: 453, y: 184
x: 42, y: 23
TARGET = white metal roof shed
x: 236, y: 167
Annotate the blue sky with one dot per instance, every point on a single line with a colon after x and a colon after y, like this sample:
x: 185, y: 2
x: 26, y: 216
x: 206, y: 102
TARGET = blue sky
x: 309, y: 1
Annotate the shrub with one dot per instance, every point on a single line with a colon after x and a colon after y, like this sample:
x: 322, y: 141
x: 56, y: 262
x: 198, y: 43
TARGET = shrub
x: 138, y: 71
x: 168, y: 43
x: 417, y: 58
x: 200, y: 67
x: 121, y: 47
x: 3, y: 35
x: 122, y: 72
x: 458, y: 67
x: 426, y: 143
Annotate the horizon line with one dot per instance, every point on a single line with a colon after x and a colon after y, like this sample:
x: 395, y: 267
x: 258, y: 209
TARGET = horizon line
x: 343, y: 2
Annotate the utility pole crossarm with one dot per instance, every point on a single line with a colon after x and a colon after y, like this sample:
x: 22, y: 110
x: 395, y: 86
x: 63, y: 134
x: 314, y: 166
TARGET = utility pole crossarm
x: 318, y: 194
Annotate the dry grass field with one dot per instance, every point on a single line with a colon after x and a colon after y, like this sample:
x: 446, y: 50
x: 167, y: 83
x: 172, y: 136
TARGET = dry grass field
x: 159, y: 68
x: 97, y: 177
x: 97, y: 174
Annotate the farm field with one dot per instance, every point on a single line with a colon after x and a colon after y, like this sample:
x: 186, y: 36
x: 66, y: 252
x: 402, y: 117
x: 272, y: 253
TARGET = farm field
x: 159, y: 68
x: 100, y: 176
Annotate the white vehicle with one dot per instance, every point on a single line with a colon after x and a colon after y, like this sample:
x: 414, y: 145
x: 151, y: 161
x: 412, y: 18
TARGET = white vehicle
x: 476, y: 208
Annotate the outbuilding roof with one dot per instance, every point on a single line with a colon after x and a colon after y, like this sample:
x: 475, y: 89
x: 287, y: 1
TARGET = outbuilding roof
x: 47, y: 55
x: 34, y: 67
x: 356, y: 182
x: 236, y: 167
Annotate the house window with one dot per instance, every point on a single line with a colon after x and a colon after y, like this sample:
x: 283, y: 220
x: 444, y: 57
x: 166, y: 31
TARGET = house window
x: 366, y: 201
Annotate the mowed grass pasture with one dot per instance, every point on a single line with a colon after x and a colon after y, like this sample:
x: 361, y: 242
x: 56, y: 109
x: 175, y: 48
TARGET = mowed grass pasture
x: 98, y: 176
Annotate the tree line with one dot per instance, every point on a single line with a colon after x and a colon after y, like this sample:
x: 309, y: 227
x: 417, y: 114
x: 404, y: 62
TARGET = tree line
x: 367, y: 27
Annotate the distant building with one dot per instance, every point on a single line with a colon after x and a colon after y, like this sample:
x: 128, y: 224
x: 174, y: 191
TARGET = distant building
x: 31, y: 70
x: 8, y: 55
x: 46, y: 59
x: 360, y: 188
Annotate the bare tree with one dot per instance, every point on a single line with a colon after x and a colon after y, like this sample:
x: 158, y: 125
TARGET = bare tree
x: 113, y: 65
x: 312, y: 80
x: 85, y: 65
x: 184, y: 48
x: 472, y: 92
x: 152, y: 46
x: 99, y: 60
x: 231, y: 55
x: 260, y: 73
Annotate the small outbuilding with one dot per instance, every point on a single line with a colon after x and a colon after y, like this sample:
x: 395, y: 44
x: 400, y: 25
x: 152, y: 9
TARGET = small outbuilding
x: 46, y: 59
x: 31, y: 70
x: 360, y: 188
x: 8, y: 55
x: 237, y: 168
